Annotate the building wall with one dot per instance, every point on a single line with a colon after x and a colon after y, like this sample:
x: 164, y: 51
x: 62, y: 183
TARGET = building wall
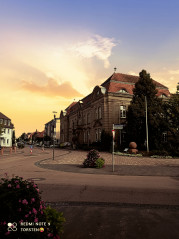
x: 88, y: 120
x: 6, y: 138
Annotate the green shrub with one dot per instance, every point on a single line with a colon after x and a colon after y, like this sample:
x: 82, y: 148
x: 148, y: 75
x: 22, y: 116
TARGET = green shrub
x: 92, y: 156
x: 20, y: 201
x: 93, y: 160
x: 99, y: 163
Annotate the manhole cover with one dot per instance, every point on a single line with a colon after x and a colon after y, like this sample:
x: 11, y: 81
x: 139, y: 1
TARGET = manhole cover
x: 36, y: 179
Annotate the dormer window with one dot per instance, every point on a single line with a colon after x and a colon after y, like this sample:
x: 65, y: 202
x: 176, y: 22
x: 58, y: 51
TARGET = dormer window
x: 162, y: 96
x: 123, y: 91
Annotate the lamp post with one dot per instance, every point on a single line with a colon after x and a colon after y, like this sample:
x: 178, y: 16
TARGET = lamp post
x: 146, y: 122
x: 54, y: 126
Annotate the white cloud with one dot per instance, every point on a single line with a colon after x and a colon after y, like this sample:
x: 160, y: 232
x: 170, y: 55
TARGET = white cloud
x: 176, y: 72
x: 97, y: 46
x: 133, y: 73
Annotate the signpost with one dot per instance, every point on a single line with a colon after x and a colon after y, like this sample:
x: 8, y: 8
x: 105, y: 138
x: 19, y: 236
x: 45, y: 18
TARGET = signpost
x: 113, y: 134
x: 115, y: 126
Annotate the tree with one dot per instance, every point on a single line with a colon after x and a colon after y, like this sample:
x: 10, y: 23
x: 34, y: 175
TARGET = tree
x: 136, y: 115
x: 172, y: 117
x: 13, y: 137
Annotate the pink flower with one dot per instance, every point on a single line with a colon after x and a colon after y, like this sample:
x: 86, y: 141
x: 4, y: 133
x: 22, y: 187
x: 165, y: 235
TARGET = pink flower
x: 42, y: 212
x: 17, y: 186
x: 30, y: 212
x: 4, y: 223
x: 16, y: 181
x: 24, y: 201
x: 9, y: 185
x: 34, y: 211
x: 27, y: 215
x: 19, y: 209
x: 50, y: 235
x: 36, y: 220
x: 27, y: 186
x: 32, y: 199
x: 7, y: 233
x: 41, y: 206
x: 20, y: 221
x: 19, y: 200
x: 37, y: 190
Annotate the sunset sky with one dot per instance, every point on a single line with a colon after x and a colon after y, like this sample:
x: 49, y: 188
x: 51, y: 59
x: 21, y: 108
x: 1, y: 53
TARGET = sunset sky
x: 55, y: 51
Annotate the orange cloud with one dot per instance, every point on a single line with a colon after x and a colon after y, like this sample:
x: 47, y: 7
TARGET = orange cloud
x: 52, y: 89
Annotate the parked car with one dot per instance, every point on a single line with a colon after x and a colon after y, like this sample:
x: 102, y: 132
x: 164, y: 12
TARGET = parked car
x: 20, y: 145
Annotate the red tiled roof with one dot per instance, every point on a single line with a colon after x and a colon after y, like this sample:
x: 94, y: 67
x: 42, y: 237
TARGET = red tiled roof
x: 68, y: 109
x: 119, y: 81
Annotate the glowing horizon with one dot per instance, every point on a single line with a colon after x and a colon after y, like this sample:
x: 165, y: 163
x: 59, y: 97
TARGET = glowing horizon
x: 54, y: 53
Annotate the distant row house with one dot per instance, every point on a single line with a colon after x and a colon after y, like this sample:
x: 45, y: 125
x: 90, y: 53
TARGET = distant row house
x: 83, y: 121
x: 52, y: 131
x: 7, y: 131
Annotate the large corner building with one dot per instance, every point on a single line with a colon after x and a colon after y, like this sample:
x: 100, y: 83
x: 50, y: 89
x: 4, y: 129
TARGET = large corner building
x: 83, y: 121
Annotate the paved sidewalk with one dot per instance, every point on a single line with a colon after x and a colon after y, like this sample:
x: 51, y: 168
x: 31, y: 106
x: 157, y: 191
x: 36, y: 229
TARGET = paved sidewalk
x: 72, y: 161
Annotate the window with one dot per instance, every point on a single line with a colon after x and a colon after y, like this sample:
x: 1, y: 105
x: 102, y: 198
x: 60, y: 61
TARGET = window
x: 7, y: 141
x: 123, y: 91
x: 1, y: 121
x: 88, y: 118
x: 96, y: 113
x: 84, y: 135
x: 99, y: 113
x: 162, y: 96
x: 5, y: 122
x: 123, y: 111
x: 99, y: 134
x: 9, y: 122
x: 8, y: 131
x: 96, y: 135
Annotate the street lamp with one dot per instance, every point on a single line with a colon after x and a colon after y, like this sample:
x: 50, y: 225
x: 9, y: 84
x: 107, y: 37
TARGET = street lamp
x: 146, y: 122
x: 54, y: 126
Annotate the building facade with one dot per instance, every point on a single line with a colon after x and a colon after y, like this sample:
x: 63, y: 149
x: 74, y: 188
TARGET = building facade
x: 7, y: 131
x: 52, y: 130
x: 83, y: 121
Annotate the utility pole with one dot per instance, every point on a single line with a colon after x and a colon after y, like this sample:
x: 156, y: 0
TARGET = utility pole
x: 147, y: 140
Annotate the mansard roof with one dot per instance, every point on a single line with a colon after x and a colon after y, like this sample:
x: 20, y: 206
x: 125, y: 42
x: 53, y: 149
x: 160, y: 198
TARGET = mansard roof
x: 119, y: 81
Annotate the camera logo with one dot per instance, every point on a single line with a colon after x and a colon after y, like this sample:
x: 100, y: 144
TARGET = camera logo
x: 12, y: 227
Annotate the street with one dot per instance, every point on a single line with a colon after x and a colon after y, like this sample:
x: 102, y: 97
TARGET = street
x: 98, y: 205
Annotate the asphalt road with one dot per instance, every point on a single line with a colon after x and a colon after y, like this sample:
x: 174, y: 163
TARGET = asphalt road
x: 103, y: 206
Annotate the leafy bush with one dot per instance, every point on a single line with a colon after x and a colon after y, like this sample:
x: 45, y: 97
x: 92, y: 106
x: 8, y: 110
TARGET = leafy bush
x: 92, y: 157
x: 20, y: 201
x: 99, y: 163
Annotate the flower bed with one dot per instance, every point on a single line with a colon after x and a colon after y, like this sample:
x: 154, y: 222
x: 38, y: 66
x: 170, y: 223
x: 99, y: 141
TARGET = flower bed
x: 21, y: 203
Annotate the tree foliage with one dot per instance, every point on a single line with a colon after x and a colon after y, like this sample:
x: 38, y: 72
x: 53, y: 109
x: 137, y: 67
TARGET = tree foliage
x: 136, y: 115
x: 172, y: 117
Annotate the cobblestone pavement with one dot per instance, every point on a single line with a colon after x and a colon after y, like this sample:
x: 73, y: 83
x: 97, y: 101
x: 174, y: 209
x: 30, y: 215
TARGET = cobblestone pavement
x: 71, y: 161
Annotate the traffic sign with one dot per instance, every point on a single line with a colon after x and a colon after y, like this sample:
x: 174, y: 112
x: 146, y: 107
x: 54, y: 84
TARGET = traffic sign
x: 118, y: 126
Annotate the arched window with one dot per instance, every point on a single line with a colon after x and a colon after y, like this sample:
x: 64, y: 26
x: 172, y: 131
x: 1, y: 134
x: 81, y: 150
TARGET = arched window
x: 162, y: 96
x: 123, y: 90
